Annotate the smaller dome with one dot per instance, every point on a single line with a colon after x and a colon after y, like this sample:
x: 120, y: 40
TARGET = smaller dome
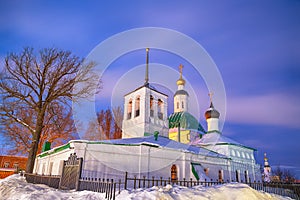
x: 180, y: 81
x: 211, y: 112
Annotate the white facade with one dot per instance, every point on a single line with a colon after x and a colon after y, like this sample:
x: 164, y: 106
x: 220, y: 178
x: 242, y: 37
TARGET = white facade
x: 147, y: 157
x: 145, y: 111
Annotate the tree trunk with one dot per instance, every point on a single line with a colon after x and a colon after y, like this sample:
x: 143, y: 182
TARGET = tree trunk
x: 35, y: 143
x: 31, y: 156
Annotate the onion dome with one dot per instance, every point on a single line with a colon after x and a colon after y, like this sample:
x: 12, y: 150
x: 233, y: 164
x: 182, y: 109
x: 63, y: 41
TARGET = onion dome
x: 180, y: 81
x: 211, y: 112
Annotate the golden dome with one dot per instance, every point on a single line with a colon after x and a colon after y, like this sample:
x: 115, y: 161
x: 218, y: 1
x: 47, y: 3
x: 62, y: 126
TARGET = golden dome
x: 180, y: 81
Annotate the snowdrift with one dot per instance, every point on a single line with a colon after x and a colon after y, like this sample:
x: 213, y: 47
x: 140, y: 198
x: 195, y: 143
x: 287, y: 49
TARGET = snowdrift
x: 15, y: 187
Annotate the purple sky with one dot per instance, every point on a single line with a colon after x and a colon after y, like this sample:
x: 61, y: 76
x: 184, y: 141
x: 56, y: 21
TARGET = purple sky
x: 255, y: 44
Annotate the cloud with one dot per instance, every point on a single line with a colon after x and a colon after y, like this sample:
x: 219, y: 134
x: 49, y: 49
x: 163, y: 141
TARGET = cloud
x: 269, y: 109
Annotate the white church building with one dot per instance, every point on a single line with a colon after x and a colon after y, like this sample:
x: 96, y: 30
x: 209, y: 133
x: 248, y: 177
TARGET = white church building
x: 155, y: 144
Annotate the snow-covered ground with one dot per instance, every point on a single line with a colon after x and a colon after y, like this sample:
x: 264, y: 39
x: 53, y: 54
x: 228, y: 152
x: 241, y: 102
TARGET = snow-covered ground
x: 16, y: 187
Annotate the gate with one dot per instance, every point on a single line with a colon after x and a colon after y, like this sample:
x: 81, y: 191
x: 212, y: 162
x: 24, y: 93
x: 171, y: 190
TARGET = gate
x: 71, y: 173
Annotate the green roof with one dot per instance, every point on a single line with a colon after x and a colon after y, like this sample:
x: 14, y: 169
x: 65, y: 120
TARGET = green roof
x: 186, y: 120
x: 55, y: 150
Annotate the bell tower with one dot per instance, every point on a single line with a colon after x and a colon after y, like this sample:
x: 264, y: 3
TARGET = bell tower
x: 145, y: 110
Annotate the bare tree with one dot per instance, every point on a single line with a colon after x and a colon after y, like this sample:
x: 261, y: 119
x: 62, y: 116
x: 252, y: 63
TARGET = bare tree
x: 94, y: 131
x: 58, y: 128
x: 118, y: 118
x: 37, y: 82
x: 284, y: 175
x: 108, y: 125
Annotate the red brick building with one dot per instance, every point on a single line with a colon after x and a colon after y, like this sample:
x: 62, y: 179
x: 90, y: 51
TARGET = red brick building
x: 11, y: 164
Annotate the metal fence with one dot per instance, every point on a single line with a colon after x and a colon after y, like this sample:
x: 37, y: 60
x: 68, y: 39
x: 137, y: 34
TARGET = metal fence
x: 51, y: 181
x: 284, y: 189
x: 110, y: 186
x: 147, y: 183
x: 99, y: 185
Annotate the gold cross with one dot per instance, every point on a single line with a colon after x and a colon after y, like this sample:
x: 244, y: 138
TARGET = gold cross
x: 180, y: 70
x: 210, y: 96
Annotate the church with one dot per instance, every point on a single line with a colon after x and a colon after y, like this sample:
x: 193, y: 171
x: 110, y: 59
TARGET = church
x: 155, y: 144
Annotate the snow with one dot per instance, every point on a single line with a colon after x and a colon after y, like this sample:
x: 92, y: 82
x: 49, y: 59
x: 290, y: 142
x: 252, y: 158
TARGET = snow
x: 215, y: 138
x: 15, y: 187
x: 163, y: 142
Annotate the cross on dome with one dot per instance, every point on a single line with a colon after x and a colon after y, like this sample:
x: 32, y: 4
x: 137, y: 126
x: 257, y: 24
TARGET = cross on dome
x: 180, y: 81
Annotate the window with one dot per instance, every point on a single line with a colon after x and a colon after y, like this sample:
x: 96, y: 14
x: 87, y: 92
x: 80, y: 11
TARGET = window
x: 206, y: 170
x: 16, y: 165
x: 151, y: 106
x: 137, y: 107
x: 243, y: 154
x: 160, y: 104
x: 173, y: 173
x: 247, y: 155
x: 182, y: 104
x: 129, y: 109
x: 177, y: 105
x: 232, y: 153
x: 6, y: 165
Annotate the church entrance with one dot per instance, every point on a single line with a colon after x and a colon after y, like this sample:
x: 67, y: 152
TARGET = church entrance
x: 174, y: 177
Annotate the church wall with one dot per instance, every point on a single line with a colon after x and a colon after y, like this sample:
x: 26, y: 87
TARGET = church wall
x: 51, y: 164
x: 112, y: 161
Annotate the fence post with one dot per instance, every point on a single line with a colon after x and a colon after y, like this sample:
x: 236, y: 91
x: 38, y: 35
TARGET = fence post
x: 111, y: 188
x: 125, y: 184
x: 152, y: 181
x: 114, y: 192
x: 106, y: 188
x: 119, y: 186
x: 134, y: 182
x: 144, y: 179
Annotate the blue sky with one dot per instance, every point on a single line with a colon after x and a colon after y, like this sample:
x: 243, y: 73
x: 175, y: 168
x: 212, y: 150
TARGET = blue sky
x: 255, y: 44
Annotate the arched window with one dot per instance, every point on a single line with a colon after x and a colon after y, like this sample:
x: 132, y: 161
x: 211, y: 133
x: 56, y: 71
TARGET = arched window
x: 129, y: 109
x: 160, y: 104
x: 243, y: 155
x: 206, y: 170
x: 151, y: 106
x: 177, y: 105
x: 137, y: 107
x: 174, y: 173
x: 182, y: 105
x: 232, y: 153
